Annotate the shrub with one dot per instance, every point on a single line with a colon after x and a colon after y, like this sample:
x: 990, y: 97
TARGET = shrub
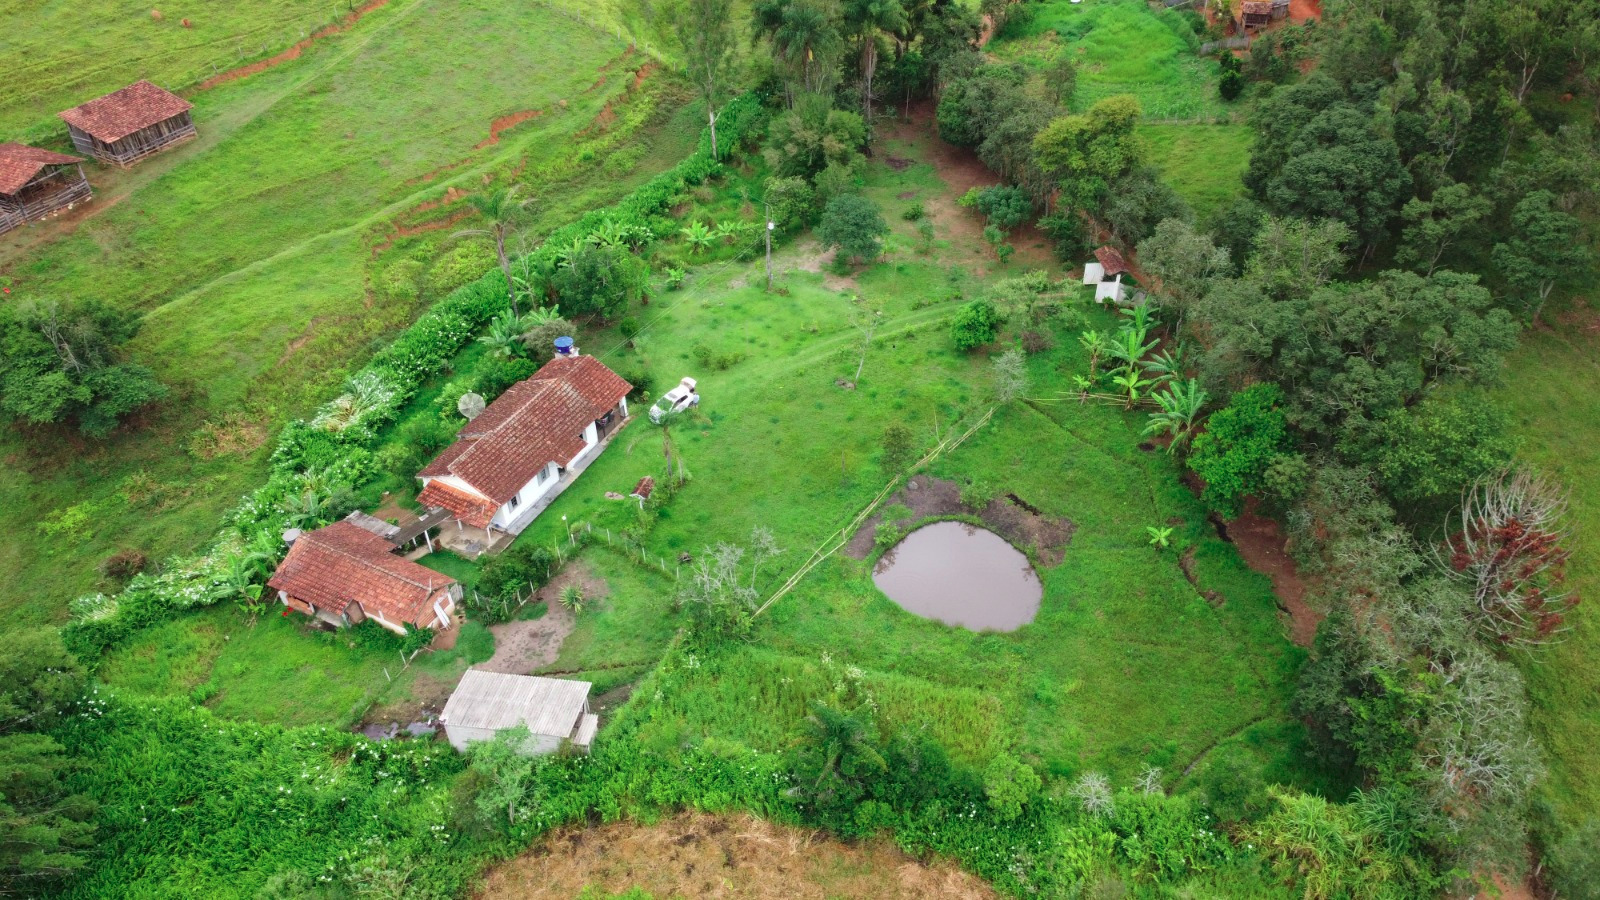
x: 541, y: 339
x: 898, y: 446
x: 1005, y: 206
x: 791, y: 202
x: 123, y: 565
x: 601, y: 281
x: 853, y: 224
x: 643, y: 381
x: 1240, y: 443
x: 914, y: 212
x: 1009, y: 785
x: 976, y: 323
x: 629, y: 327
x: 1231, y: 84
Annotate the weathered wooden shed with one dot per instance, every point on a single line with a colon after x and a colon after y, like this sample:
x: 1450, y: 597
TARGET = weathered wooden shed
x: 124, y: 127
x: 35, y: 183
x: 1258, y: 14
x: 555, y: 710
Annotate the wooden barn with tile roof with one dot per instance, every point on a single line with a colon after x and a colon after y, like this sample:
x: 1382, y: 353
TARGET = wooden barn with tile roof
x: 35, y: 183
x: 125, y: 126
x: 343, y: 574
x: 515, y: 456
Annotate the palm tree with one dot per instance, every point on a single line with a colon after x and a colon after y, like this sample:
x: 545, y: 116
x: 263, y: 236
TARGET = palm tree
x: 804, y: 37
x: 1180, y: 404
x: 500, y: 213
x: 836, y: 750
x: 863, y: 19
x: 677, y: 472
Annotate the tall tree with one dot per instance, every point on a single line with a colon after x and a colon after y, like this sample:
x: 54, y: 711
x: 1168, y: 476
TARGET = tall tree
x: 1544, y: 249
x: 704, y: 29
x: 1434, y: 225
x: 805, y: 39
x: 865, y: 21
x: 63, y: 362
x: 1087, y: 152
x: 500, y: 213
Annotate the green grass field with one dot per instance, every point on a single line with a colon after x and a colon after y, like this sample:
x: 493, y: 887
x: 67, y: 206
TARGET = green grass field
x: 1555, y: 405
x: 1203, y: 163
x: 261, y: 253
x: 1120, y: 47
x: 60, y: 53
x: 1126, y: 664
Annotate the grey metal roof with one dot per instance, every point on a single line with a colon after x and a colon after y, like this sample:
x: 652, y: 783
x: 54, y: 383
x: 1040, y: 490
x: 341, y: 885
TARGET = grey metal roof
x: 495, y: 701
x: 409, y: 530
x: 586, y: 730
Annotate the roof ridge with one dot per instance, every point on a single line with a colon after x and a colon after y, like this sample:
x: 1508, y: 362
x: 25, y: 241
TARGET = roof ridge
x: 369, y: 563
x: 521, y: 407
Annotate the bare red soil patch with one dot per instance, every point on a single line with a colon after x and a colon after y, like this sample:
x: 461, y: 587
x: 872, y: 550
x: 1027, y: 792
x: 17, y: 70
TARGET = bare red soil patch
x: 1305, y: 11
x: 294, y: 51
x: 724, y: 857
x: 1263, y: 545
x: 505, y: 123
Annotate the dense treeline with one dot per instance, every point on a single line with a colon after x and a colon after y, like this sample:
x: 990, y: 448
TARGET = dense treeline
x: 1412, y: 203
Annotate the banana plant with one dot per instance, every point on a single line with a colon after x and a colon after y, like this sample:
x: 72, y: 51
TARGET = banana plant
x: 609, y: 234
x: 565, y: 255
x: 504, y: 336
x: 727, y: 230
x: 1166, y: 366
x: 698, y: 236
x: 1140, y: 317
x: 1179, y: 416
x: 1132, y: 383
x: 1129, y: 348
x: 1082, y: 385
x: 1096, y: 344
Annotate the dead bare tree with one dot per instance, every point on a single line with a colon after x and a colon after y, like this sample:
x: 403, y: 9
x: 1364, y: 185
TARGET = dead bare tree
x: 1508, y: 550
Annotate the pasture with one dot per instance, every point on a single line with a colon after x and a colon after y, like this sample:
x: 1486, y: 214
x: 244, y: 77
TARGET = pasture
x: 285, y: 244
x: 1120, y: 47
x: 1554, y: 407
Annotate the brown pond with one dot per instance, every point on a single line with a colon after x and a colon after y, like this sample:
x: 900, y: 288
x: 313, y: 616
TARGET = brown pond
x: 961, y: 575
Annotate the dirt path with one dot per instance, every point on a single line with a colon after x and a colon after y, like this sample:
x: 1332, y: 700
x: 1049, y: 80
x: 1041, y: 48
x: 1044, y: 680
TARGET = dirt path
x: 722, y: 857
x: 1262, y: 543
x: 522, y: 646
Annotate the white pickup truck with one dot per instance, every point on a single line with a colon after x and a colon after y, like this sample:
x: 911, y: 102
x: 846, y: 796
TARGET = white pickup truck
x: 678, y: 399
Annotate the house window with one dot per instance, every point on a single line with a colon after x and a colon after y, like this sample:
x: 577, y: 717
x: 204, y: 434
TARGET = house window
x: 512, y: 503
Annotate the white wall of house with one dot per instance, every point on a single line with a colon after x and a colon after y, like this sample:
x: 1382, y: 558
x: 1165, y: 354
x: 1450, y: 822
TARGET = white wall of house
x: 536, y: 487
x: 460, y: 736
x: 457, y: 483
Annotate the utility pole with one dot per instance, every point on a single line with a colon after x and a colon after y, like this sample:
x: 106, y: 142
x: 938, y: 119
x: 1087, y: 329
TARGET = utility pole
x: 770, y: 226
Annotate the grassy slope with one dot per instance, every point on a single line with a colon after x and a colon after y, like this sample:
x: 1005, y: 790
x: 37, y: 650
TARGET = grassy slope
x: 60, y: 53
x: 1121, y: 47
x: 1556, y: 406
x: 249, y: 252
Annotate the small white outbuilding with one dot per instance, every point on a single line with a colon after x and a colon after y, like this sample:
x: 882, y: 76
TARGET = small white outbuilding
x: 553, y: 709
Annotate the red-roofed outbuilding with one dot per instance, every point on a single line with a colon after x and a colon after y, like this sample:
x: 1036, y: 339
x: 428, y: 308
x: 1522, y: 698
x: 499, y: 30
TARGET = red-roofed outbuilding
x: 35, y: 183
x: 125, y: 126
x: 344, y: 574
x: 532, y: 438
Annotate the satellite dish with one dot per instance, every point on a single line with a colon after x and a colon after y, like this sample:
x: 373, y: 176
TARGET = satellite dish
x: 470, y: 405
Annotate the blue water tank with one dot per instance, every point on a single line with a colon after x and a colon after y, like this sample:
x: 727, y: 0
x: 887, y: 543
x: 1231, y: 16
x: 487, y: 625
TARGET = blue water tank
x: 564, y: 346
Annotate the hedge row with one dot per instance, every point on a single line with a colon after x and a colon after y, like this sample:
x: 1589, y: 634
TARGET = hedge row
x: 332, y: 450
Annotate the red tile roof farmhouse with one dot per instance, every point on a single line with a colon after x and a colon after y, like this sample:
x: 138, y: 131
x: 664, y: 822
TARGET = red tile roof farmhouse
x: 344, y: 562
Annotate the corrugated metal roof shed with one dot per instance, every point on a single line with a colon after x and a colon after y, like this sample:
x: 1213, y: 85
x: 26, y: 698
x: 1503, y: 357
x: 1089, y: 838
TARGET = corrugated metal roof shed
x: 495, y: 701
